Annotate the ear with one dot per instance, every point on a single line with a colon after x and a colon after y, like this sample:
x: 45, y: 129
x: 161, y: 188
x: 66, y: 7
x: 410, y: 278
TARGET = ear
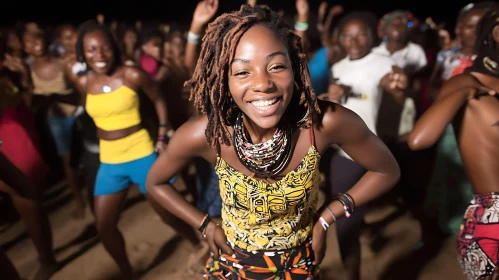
x: 495, y: 33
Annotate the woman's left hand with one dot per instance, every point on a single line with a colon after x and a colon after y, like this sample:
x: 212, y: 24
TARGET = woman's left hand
x: 318, y: 242
x: 160, y: 146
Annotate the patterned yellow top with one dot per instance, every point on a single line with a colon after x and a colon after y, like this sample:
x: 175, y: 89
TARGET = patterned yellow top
x: 258, y: 215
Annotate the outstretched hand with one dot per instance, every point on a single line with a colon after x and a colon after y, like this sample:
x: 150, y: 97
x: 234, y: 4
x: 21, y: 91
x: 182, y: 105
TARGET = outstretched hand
x: 204, y: 11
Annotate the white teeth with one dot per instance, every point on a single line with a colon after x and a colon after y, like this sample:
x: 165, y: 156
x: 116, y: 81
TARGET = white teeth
x: 100, y: 64
x: 264, y: 104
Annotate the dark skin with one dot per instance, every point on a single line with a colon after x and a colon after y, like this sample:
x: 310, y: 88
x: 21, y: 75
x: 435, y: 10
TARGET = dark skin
x: 261, y: 70
x: 26, y: 200
x: 473, y: 109
x: 396, y: 32
x: 466, y: 29
x: 100, y: 57
x: 356, y: 40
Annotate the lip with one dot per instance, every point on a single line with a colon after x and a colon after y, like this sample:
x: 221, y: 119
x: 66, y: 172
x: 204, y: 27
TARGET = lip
x: 101, y: 64
x: 265, y: 111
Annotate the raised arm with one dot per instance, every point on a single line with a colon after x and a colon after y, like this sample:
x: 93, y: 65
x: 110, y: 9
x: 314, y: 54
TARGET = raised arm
x: 301, y: 25
x: 205, y: 10
x: 453, y: 96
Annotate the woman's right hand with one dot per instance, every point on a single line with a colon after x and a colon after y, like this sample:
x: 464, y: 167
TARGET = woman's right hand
x: 217, y: 240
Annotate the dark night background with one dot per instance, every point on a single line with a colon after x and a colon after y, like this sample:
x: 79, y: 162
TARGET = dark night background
x: 53, y: 12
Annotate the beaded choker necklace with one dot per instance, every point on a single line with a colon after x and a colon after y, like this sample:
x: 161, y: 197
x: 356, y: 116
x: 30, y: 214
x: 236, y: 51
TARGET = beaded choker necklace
x: 266, y: 159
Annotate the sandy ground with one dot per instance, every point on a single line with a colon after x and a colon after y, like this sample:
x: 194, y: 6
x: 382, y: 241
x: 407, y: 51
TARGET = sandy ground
x: 158, y: 253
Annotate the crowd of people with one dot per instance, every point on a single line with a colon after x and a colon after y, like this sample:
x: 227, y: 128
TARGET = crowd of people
x: 272, y: 110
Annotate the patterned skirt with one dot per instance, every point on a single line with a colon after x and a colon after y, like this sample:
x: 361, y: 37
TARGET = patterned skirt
x: 290, y: 264
x: 478, y: 240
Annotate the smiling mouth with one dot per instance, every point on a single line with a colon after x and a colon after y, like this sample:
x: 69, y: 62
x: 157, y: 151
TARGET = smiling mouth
x: 100, y: 64
x: 265, y: 104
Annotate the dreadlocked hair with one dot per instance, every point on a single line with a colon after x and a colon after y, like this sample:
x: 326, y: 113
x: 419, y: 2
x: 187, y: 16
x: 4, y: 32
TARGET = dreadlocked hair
x: 209, y: 83
x: 484, y: 39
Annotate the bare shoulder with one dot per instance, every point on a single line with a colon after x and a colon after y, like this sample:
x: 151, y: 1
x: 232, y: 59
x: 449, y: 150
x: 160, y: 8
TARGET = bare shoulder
x: 81, y: 83
x: 333, y: 122
x: 133, y: 73
x: 190, y: 139
x: 332, y: 116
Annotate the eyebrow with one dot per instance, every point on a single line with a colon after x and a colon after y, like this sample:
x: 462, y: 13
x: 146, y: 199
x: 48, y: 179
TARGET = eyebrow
x: 269, y: 56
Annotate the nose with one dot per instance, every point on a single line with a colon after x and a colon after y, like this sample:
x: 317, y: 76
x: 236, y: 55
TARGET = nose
x: 261, y: 82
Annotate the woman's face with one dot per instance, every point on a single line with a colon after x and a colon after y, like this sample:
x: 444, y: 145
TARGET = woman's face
x: 467, y: 27
x: 13, y: 42
x: 68, y: 36
x: 261, y: 79
x: 356, y: 39
x: 397, y: 29
x: 130, y: 38
x: 33, y: 44
x: 98, y: 51
x: 177, y: 46
x: 153, y: 47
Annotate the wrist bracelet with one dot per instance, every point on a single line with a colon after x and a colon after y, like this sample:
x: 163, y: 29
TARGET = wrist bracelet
x: 345, y: 207
x: 164, y: 125
x: 204, y: 224
x: 334, y: 216
x: 324, y: 224
x: 301, y: 26
x: 193, y: 38
x: 163, y: 139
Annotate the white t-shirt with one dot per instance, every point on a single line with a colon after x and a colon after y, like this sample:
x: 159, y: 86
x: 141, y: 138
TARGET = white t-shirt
x: 363, y: 77
x: 412, y: 58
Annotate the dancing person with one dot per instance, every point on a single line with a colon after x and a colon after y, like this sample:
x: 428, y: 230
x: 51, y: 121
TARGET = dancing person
x: 21, y: 165
x: 470, y: 103
x: 111, y: 97
x: 49, y: 78
x: 262, y: 127
x: 450, y: 189
x: 359, y: 83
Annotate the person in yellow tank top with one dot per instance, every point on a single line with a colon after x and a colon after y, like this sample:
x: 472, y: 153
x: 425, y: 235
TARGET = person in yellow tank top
x: 263, y: 128
x: 110, y: 93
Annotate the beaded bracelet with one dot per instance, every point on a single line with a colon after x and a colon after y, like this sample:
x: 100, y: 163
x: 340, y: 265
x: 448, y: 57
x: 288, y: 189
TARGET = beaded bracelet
x: 204, y: 224
x: 164, y: 125
x: 350, y: 198
x: 345, y: 207
x: 163, y: 139
x: 324, y: 224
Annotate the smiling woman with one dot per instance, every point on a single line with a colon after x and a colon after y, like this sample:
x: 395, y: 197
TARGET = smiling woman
x: 264, y: 130
x: 110, y: 93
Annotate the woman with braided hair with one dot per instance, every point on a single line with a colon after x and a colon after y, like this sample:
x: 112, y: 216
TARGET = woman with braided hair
x: 470, y: 102
x: 262, y: 127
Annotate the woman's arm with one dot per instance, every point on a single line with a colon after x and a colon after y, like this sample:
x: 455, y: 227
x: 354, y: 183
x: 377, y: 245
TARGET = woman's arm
x: 346, y: 129
x: 204, y: 11
x: 187, y: 143
x: 430, y: 127
x: 143, y: 81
